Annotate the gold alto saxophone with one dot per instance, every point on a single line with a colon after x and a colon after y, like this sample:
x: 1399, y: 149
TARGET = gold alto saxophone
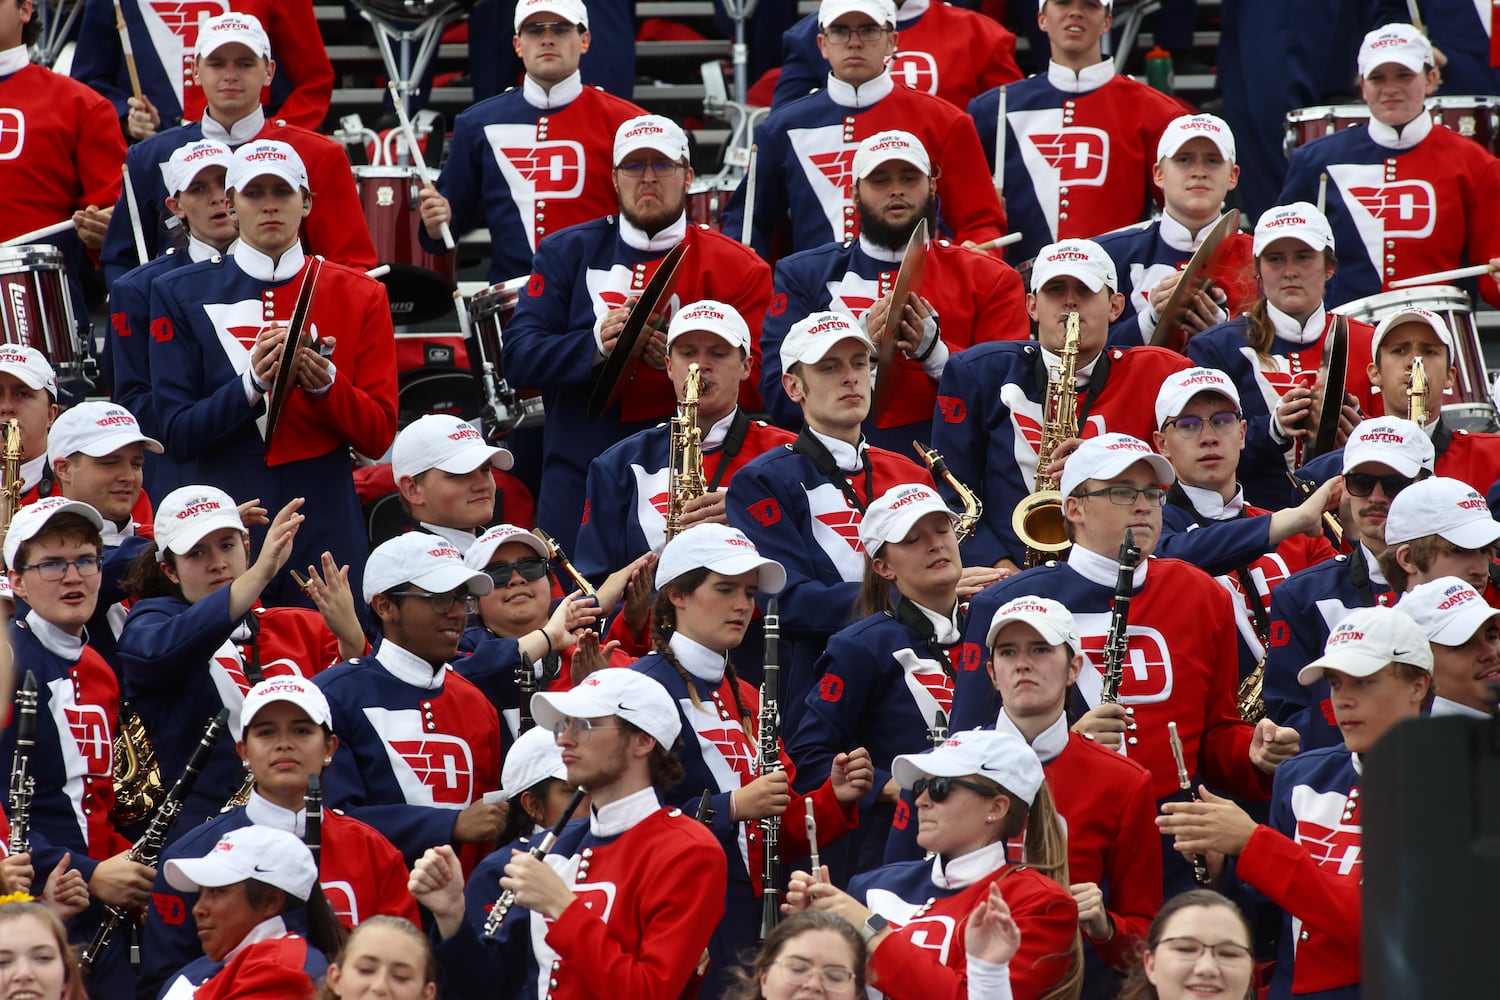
x: 138, y: 786
x: 1252, y: 702
x: 1416, y: 394
x: 11, y: 487
x: 1038, y: 520
x: 973, y: 506
x: 685, y: 480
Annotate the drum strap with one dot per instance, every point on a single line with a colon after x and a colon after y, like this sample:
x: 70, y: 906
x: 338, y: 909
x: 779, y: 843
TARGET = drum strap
x: 1090, y: 392
x: 734, y: 440
x: 812, y: 448
x: 1177, y: 497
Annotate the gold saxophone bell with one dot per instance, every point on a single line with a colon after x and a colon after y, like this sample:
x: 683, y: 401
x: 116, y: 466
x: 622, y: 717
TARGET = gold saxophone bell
x: 1252, y: 702
x: 1038, y: 520
x: 138, y: 786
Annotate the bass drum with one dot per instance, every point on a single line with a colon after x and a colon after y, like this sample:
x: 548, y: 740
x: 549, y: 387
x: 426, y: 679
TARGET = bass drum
x: 420, y: 284
x: 705, y: 204
x: 1303, y: 125
x: 1468, y: 404
x: 35, y: 307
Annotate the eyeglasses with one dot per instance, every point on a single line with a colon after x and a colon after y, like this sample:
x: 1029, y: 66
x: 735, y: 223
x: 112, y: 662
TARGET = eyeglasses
x: 53, y: 570
x: 836, y: 978
x: 636, y: 169
x: 838, y: 34
x: 937, y: 789
x: 1190, y: 426
x: 1190, y: 949
x: 579, y: 729
x: 441, y: 603
x: 1124, y: 496
x: 558, y: 29
x: 1362, y: 484
x: 531, y: 568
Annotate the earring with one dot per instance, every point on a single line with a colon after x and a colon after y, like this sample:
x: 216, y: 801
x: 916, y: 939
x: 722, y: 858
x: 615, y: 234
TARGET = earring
x: 989, y: 819
x: 245, y: 764
x: 327, y: 761
x: 307, y: 203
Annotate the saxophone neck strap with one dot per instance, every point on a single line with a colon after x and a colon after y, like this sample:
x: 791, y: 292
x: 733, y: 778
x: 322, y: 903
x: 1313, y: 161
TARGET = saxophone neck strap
x: 734, y: 440
x: 1091, y: 392
x: 813, y: 449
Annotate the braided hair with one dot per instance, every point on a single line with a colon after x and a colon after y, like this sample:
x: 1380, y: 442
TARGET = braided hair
x: 664, y: 622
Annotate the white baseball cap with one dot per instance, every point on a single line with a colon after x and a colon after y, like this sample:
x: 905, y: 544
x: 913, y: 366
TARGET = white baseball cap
x: 490, y: 540
x: 226, y: 29
x: 896, y: 511
x: 883, y: 147
x: 1300, y: 221
x: 879, y: 11
x: 718, y: 547
x: 29, y: 365
x: 620, y: 691
x: 1413, y: 314
x: 190, y: 513
x: 1180, y: 131
x: 1441, y: 506
x: 266, y: 158
x: 1108, y: 455
x: 1181, y: 388
x: 1448, y: 610
x: 1392, y: 441
x: 714, y: 317
x: 1397, y: 43
x: 571, y: 11
x: 1081, y: 259
x: 262, y: 853
x: 1051, y: 619
x: 810, y: 339
x: 96, y: 428
x: 298, y: 691
x: 421, y: 560
x: 1366, y: 640
x: 653, y: 132
x: 187, y: 162
x: 1107, y: 3
x: 29, y: 521
x: 444, y: 442
x: 533, y: 757
x: 1004, y: 759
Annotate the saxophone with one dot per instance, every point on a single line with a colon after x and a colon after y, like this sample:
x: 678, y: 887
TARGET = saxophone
x: 12, y: 484
x: 973, y: 506
x: 1038, y: 520
x: 1252, y: 703
x: 138, y: 785
x: 1416, y: 395
x: 685, y: 461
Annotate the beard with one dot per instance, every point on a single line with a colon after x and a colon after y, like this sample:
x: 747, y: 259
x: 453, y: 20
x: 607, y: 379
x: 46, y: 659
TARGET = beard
x: 881, y: 233
x: 657, y: 218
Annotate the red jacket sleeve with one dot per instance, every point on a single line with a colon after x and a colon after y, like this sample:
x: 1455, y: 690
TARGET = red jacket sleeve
x: 101, y: 151
x: 361, y: 404
x: 970, y: 205
x: 336, y: 226
x: 1133, y: 866
x: 1284, y: 873
x: 297, y: 46
x: 1002, y: 309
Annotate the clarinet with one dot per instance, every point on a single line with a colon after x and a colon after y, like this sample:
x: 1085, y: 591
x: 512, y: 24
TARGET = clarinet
x: 508, y: 897
x: 1117, y: 640
x: 770, y: 760
x: 313, y: 835
x: 937, y: 733
x: 705, y: 813
x: 22, y: 782
x: 526, y: 682
x: 1200, y: 863
x: 147, y: 850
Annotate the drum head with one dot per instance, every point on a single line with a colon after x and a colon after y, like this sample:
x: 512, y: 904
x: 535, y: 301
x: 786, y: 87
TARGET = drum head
x: 417, y: 294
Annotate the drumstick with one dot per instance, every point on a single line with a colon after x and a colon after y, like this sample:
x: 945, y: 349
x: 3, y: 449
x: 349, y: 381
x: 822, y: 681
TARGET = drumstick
x: 378, y: 272
x: 1000, y: 148
x: 135, y: 214
x: 39, y: 234
x: 135, y: 79
x: 1323, y: 193
x: 998, y: 242
x: 1443, y: 277
x: 747, y: 222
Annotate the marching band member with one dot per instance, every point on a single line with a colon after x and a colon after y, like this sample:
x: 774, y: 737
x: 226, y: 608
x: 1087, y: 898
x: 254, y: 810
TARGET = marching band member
x: 577, y: 301
x: 992, y: 404
x: 35, y: 953
x: 284, y: 738
x: 1306, y: 858
x: 422, y: 744
x: 534, y: 780
x: 1440, y: 527
x: 1181, y: 639
x: 232, y: 64
x: 1079, y: 137
x: 628, y: 493
x: 444, y: 469
x: 1465, y: 641
x: 28, y: 394
x: 384, y: 957
x: 535, y: 159
x: 1193, y: 926
x: 1384, y: 456
x: 803, y: 947
x: 1195, y: 169
x: 973, y: 793
x: 1405, y: 197
x: 952, y: 52
x: 802, y: 504
x: 706, y: 587
x: 1273, y: 352
x: 217, y: 343
x: 802, y: 176
x: 629, y: 897
x: 968, y: 297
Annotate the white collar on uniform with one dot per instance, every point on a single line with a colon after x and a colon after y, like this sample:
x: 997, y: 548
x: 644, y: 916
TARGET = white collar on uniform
x: 1359, y: 765
x: 1442, y: 706
x: 910, y: 11
x: 264, y: 812
x: 457, y: 537
x: 260, y: 266
x: 1087, y: 79
x: 849, y: 458
x: 964, y: 871
x: 1101, y: 569
x: 112, y: 532
x: 944, y: 627
x: 1081, y: 373
x: 1049, y: 742
x: 267, y: 930
x: 697, y: 659
x: 239, y: 133
x: 563, y: 92
x: 1212, y: 506
x: 408, y: 667
x: 198, y: 251
x: 1287, y: 328
x: 635, y: 237
x: 1409, y: 135
x: 53, y: 639
x: 714, y: 439
x: 846, y: 95
x: 884, y: 254
x: 31, y: 472
x: 622, y: 814
x: 1177, y: 236
x: 1375, y: 575
x: 14, y: 60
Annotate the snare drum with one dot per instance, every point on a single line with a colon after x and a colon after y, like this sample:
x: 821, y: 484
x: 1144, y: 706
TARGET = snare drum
x: 1467, y: 404
x: 420, y: 284
x: 36, y: 309
x: 1476, y: 118
x: 1303, y: 125
x: 489, y: 312
x: 705, y: 204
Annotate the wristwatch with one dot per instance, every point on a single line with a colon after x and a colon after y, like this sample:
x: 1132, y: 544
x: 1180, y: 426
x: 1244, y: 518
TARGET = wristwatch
x: 874, y: 924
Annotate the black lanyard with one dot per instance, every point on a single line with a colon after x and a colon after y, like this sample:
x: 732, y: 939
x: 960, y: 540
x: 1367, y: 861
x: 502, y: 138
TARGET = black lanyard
x: 251, y: 651
x: 813, y: 449
x: 734, y: 440
x: 1091, y: 391
x: 908, y: 614
x: 1359, y: 576
x: 1177, y: 497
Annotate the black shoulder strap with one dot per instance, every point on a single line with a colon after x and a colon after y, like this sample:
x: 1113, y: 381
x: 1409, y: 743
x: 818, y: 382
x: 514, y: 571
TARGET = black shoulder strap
x: 1359, y: 576
x: 1442, y: 437
x: 813, y: 449
x: 908, y: 614
x: 1097, y: 378
x: 734, y: 440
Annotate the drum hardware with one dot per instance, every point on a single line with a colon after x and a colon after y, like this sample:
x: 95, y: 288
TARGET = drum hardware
x: 908, y: 282
x: 1443, y: 277
x: 505, y: 409
x: 35, y: 308
x: 1333, y: 374
x: 56, y: 229
x: 58, y: 19
x: 1476, y: 118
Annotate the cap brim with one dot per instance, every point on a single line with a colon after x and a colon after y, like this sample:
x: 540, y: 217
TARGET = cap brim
x: 909, y: 158
x: 908, y: 519
x: 1346, y: 662
x: 772, y: 576
x: 108, y: 444
x: 1045, y: 627
x: 26, y: 375
x: 469, y: 459
x: 549, y: 708
x: 1159, y: 466
x: 191, y: 874
x: 1398, y: 462
x: 942, y: 762
x: 480, y: 555
x: 1457, y: 629
x: 1476, y: 534
x: 443, y: 579
x: 202, y: 529
x: 817, y: 351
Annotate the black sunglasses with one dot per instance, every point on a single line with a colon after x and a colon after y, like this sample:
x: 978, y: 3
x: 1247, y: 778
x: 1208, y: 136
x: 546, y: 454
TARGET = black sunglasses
x: 530, y: 568
x: 937, y: 788
x: 1362, y: 484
